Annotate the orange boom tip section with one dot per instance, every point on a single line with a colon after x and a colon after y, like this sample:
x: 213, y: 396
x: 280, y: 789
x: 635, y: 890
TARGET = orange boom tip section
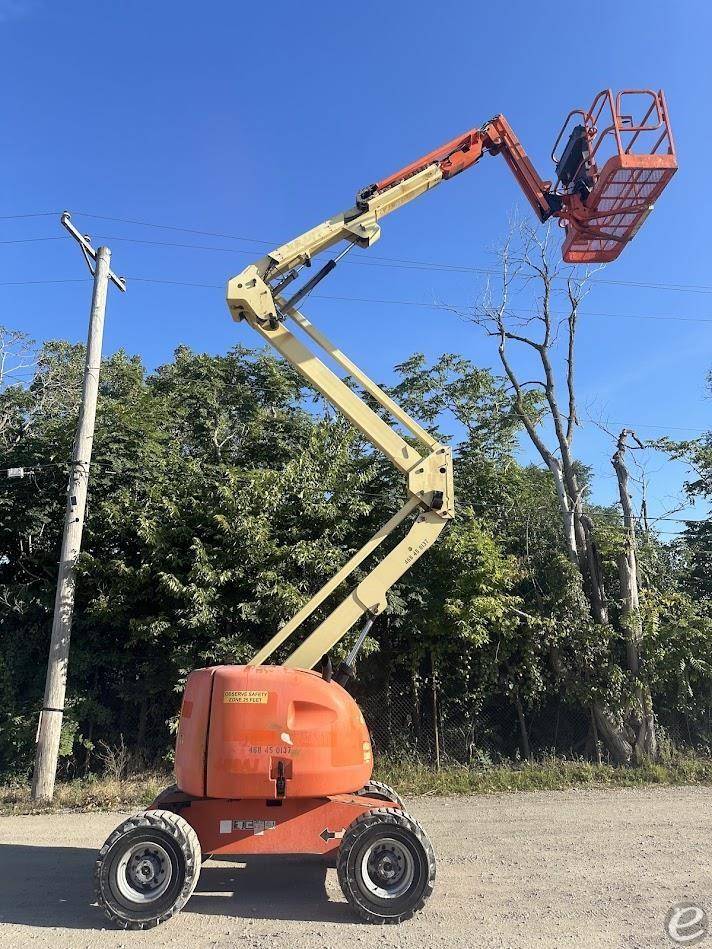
x: 269, y: 732
x: 617, y: 159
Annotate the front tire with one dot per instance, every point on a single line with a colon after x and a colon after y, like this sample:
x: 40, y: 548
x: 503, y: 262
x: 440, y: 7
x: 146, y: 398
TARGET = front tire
x: 147, y: 869
x: 386, y: 866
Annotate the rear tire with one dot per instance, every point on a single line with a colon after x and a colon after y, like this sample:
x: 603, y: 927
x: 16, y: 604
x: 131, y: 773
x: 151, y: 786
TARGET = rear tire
x: 147, y: 869
x: 386, y: 866
x: 382, y: 792
x: 167, y: 794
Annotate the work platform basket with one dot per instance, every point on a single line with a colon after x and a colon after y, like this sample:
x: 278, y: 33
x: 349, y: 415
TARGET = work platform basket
x: 618, y: 159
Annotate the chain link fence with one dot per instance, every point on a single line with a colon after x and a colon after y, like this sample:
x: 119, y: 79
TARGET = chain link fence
x: 439, y: 731
x: 417, y: 720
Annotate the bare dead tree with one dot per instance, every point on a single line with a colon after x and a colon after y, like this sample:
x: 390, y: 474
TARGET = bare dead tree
x: 32, y: 384
x: 529, y: 257
x: 641, y: 718
x: 17, y: 356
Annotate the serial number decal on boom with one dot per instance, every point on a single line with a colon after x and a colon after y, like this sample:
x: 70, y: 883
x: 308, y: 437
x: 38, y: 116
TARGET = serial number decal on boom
x: 258, y: 827
x: 417, y: 551
x: 246, y: 698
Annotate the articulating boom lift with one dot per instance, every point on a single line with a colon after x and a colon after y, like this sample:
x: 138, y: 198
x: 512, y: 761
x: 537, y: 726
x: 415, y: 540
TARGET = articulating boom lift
x: 276, y: 759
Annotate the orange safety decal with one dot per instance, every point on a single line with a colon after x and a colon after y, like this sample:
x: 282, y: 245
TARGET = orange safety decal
x: 246, y: 698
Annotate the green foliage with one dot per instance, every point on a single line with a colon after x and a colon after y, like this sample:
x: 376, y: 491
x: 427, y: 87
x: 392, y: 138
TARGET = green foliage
x: 696, y: 552
x: 223, y: 494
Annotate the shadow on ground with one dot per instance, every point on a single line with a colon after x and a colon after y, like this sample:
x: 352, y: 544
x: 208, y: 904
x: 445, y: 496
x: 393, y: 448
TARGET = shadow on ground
x: 52, y: 886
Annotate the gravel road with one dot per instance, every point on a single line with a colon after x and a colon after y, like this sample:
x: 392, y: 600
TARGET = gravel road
x: 558, y: 869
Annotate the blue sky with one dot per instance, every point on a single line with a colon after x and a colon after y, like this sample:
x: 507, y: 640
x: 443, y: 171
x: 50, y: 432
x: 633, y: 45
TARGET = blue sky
x: 259, y: 121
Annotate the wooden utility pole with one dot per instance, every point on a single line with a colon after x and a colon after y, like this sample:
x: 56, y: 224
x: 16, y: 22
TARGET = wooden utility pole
x: 50, y: 723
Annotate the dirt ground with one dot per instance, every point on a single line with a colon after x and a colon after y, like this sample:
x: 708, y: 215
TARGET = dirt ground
x: 556, y: 869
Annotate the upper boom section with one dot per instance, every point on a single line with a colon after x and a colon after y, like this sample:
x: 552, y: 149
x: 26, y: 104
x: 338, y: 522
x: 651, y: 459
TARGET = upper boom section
x: 495, y: 137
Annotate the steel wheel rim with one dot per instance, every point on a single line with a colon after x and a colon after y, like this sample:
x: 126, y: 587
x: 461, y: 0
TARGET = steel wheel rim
x: 144, y: 872
x: 387, y: 868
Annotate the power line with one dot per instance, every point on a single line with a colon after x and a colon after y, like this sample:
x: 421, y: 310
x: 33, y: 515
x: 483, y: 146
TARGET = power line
x: 399, y: 262
x: 375, y: 260
x: 410, y: 262
x: 26, y: 283
x: 221, y: 250
x: 33, y: 240
x: 417, y: 303
x: 178, y: 283
x: 169, y: 227
x: 368, y: 300
x: 672, y: 428
x: 12, y: 217
x: 331, y: 298
x: 462, y: 306
x: 30, y: 468
x: 211, y: 286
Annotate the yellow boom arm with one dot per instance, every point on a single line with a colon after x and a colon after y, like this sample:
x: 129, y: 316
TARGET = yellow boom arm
x: 254, y: 296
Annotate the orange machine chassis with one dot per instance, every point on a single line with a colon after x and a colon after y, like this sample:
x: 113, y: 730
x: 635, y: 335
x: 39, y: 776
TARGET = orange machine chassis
x: 306, y: 825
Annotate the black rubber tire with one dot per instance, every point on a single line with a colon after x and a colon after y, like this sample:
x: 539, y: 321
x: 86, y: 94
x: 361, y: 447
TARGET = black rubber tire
x: 167, y: 792
x: 178, y: 840
x: 363, y: 833
x: 382, y: 792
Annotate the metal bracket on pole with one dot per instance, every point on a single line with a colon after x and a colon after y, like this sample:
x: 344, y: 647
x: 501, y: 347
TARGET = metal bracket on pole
x: 84, y: 242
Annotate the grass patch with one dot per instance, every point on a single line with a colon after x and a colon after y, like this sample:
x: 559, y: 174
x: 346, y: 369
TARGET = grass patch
x: 93, y: 793
x: 411, y: 778
x: 549, y: 774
